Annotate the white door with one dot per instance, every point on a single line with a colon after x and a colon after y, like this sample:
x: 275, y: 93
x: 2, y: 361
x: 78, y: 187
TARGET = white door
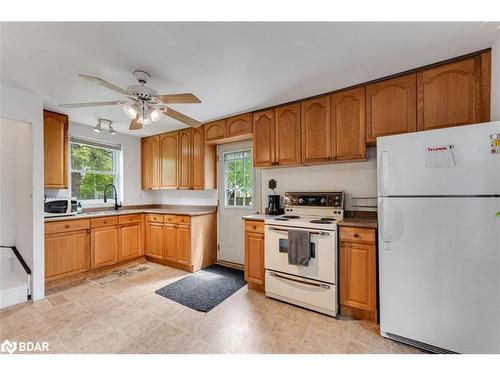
x: 239, y: 195
x: 440, y: 271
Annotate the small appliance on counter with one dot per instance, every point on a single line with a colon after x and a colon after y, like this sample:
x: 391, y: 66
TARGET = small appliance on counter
x: 54, y: 207
x: 274, y: 200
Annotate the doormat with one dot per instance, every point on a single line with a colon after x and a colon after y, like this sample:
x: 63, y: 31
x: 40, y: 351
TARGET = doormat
x: 113, y: 276
x: 205, y: 289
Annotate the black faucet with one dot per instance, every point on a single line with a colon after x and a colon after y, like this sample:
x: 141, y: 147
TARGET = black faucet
x: 117, y: 206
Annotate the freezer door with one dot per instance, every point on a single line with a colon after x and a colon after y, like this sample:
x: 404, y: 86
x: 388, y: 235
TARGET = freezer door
x: 439, y: 262
x: 453, y: 161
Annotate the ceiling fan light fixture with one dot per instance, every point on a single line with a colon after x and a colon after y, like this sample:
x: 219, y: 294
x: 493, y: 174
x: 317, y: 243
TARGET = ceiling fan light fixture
x: 155, y: 115
x: 131, y: 110
x: 112, y: 131
x: 97, y: 128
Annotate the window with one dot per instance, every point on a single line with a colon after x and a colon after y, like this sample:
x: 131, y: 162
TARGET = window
x: 93, y: 166
x: 238, y: 179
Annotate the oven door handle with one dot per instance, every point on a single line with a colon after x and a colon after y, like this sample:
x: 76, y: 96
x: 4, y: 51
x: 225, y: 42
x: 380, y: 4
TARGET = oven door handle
x: 321, y: 233
x: 307, y: 282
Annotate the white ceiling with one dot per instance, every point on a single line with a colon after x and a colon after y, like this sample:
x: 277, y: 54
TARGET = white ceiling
x: 231, y: 67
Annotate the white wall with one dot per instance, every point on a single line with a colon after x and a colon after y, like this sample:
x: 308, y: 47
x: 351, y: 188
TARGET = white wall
x: 356, y: 179
x: 187, y: 197
x: 22, y: 106
x: 495, y: 81
x: 131, y: 172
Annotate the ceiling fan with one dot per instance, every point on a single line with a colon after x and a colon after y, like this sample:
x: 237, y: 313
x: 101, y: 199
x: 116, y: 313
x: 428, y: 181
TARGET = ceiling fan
x: 143, y: 104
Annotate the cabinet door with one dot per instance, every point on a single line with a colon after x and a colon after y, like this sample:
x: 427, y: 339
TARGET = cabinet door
x: 254, y: 257
x: 146, y: 154
x: 184, y: 159
x: 104, y: 246
x: 316, y: 131
x: 66, y: 254
x: 198, y: 158
x: 263, y: 139
x: 449, y: 95
x: 171, y: 245
x: 55, y: 142
x: 168, y: 160
x: 357, y: 276
x: 184, y: 243
x: 348, y: 121
x: 391, y: 107
x: 155, y: 162
x: 288, y: 135
x: 215, y: 131
x: 154, y: 240
x: 130, y: 241
x: 238, y: 126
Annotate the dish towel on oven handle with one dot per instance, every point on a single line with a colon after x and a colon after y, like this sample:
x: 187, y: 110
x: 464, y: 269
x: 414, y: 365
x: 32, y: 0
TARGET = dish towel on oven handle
x: 299, y: 251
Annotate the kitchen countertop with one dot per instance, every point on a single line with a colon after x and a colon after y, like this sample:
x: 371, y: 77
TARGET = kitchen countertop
x: 362, y: 223
x: 258, y: 217
x: 174, y: 210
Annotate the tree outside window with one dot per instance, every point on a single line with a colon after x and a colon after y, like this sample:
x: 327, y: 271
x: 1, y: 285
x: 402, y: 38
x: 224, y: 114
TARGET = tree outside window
x: 238, y: 179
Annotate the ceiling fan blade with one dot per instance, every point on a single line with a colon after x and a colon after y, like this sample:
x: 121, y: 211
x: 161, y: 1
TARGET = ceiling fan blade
x: 105, y: 84
x: 182, y: 118
x: 134, y: 124
x: 178, y: 98
x: 91, y: 104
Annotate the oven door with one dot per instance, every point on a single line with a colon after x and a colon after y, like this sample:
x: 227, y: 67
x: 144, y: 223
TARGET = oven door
x: 323, y: 245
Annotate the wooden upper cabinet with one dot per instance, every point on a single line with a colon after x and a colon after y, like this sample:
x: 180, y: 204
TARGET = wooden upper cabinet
x: 391, y: 107
x: 316, y: 131
x: 238, y: 126
x: 288, y: 137
x: 451, y: 94
x: 150, y: 155
x: 198, y: 158
x: 348, y: 121
x: 215, y: 130
x: 263, y: 139
x: 168, y: 160
x: 184, y: 159
x: 55, y: 140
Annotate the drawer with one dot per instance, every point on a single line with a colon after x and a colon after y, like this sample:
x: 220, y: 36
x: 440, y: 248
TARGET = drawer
x: 181, y: 219
x: 124, y: 219
x: 155, y: 218
x: 170, y: 218
x: 66, y: 226
x: 254, y: 226
x: 104, y: 221
x: 354, y: 234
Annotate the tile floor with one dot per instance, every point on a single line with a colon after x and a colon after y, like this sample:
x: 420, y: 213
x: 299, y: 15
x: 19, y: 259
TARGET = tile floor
x: 128, y: 317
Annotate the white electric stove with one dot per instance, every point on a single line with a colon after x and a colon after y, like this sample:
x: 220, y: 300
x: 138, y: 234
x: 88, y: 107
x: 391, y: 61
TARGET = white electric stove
x: 313, y: 286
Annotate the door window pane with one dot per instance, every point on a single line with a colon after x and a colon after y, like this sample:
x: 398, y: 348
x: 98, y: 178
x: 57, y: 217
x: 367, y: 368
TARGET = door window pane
x: 238, y: 179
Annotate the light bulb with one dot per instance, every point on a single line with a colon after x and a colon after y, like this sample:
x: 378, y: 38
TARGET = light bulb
x: 144, y: 120
x: 155, y: 115
x: 111, y: 130
x: 97, y: 128
x: 130, y: 110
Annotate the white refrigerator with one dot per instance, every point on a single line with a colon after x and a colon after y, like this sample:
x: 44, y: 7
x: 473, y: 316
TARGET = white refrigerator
x: 439, y: 238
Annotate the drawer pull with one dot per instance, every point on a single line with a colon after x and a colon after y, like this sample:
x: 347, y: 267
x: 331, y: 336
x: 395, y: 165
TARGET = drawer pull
x: 66, y: 226
x: 105, y: 221
x: 355, y: 235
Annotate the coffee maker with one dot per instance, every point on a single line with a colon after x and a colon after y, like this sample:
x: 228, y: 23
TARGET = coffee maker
x: 273, y: 203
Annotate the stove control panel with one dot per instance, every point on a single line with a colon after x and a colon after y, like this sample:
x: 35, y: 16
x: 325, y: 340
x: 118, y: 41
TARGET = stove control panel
x: 330, y: 199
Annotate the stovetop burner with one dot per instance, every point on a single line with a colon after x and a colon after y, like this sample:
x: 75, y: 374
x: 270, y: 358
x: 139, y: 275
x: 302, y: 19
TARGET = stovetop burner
x: 291, y: 217
x: 281, y: 219
x: 322, y: 221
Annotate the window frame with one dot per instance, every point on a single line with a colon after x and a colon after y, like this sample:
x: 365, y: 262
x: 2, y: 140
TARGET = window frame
x: 116, y: 172
x: 253, y: 176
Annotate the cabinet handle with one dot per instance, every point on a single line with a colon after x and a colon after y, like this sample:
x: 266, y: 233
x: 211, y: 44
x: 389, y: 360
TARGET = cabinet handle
x: 355, y: 235
x: 66, y: 226
x: 105, y: 221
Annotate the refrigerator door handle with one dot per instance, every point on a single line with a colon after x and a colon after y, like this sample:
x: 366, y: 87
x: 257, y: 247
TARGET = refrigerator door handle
x: 386, y: 227
x: 382, y: 170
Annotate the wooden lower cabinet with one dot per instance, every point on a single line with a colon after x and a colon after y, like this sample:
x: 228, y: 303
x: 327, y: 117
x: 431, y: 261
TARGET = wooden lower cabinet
x: 254, y: 254
x: 181, y: 241
x: 104, y: 246
x: 67, y: 254
x: 357, y: 273
x: 130, y: 241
